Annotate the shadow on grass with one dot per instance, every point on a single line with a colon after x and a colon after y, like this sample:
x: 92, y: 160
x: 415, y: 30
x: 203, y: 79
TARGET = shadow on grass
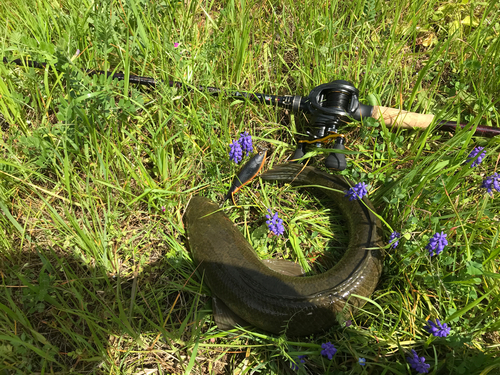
x: 59, y: 315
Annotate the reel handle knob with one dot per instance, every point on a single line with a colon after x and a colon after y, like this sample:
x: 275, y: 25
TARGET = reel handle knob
x: 300, y: 151
x: 337, y: 160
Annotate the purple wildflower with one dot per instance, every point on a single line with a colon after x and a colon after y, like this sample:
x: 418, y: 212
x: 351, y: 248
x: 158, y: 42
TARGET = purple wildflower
x: 246, y: 142
x: 418, y: 363
x: 274, y: 223
x: 394, y: 239
x: 235, y: 152
x: 328, y: 350
x: 492, y: 182
x: 294, y: 365
x: 358, y: 191
x: 437, y: 329
x: 176, y: 45
x: 348, y: 323
x: 362, y: 361
x: 473, y: 155
x: 438, y: 241
x: 162, y: 208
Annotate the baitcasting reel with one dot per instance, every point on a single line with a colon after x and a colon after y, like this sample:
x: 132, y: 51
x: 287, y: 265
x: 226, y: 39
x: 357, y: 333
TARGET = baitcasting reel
x: 330, y: 105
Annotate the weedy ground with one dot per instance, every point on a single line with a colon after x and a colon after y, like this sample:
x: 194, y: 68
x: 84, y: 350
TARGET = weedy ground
x: 95, y: 175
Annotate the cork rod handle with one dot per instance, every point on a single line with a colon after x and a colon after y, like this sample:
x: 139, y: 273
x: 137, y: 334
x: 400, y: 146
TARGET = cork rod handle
x: 393, y: 117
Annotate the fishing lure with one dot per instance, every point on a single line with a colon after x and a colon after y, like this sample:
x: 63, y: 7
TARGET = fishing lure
x: 247, y: 173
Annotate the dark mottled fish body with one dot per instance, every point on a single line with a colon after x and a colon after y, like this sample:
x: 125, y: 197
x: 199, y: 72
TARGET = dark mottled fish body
x: 272, y: 301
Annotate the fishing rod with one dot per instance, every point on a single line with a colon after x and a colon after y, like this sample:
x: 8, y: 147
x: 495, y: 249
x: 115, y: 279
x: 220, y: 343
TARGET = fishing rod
x: 330, y: 105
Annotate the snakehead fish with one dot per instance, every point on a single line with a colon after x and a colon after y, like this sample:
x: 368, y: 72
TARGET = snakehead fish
x: 272, y: 301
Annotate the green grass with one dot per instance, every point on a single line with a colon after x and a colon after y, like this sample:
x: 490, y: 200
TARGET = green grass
x: 96, y: 278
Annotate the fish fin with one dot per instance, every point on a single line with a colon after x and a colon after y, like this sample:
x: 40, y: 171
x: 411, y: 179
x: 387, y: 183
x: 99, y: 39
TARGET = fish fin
x: 224, y: 317
x: 285, y: 267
